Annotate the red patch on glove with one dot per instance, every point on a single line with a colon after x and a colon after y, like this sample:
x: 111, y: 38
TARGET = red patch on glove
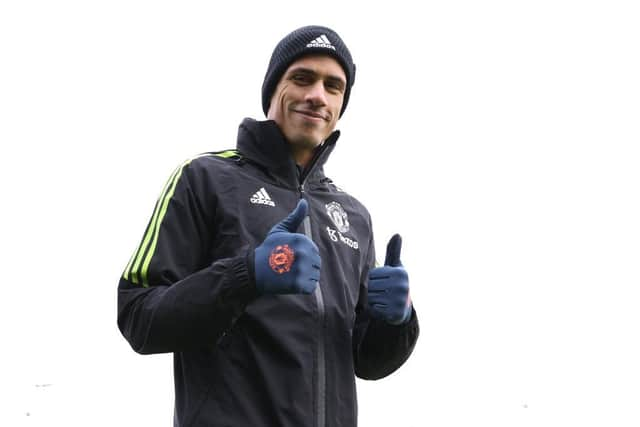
x: 281, y: 259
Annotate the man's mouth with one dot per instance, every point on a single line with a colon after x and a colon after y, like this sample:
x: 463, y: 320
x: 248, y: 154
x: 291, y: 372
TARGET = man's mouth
x: 312, y: 114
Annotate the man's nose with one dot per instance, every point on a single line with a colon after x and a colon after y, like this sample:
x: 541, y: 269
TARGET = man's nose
x: 316, y: 94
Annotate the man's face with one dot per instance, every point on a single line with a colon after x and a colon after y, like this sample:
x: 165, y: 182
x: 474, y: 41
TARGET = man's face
x: 307, y: 101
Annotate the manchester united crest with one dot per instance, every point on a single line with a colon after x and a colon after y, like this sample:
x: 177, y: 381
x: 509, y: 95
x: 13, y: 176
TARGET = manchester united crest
x: 281, y: 259
x: 338, y: 216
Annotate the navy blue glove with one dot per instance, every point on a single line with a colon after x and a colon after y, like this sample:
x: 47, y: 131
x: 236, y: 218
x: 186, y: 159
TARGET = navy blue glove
x: 287, y: 262
x: 388, y: 289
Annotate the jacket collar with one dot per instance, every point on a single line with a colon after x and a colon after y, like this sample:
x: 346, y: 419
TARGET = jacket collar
x: 262, y: 142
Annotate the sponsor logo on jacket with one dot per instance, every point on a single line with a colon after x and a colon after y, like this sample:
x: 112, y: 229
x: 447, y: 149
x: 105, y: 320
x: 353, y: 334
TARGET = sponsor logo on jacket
x: 340, y: 219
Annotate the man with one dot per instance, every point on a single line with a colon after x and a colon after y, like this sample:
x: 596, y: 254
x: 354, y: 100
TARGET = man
x: 258, y: 273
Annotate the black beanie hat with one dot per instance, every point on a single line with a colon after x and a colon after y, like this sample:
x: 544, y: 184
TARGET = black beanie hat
x: 301, y: 42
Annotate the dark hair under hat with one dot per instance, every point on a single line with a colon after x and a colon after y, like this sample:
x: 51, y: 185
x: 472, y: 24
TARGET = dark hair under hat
x: 301, y: 42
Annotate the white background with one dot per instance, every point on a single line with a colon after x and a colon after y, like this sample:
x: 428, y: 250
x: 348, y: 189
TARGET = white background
x: 500, y: 138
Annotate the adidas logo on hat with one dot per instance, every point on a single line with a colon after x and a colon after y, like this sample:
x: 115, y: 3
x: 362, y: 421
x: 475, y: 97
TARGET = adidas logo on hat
x: 321, y: 41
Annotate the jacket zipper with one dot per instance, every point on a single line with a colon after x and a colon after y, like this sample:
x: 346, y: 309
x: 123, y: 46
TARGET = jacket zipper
x: 321, y: 387
x: 320, y: 349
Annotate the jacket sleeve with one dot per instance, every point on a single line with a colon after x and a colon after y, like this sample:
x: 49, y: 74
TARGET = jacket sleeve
x: 171, y: 297
x: 379, y: 348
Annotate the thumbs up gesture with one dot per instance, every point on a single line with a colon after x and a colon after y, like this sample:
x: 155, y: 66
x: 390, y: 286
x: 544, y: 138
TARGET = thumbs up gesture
x: 287, y: 262
x: 388, y: 289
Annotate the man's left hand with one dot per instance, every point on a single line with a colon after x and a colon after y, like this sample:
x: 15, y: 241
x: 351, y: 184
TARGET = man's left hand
x: 388, y: 289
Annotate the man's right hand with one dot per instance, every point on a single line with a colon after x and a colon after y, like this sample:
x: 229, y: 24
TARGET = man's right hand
x: 287, y: 262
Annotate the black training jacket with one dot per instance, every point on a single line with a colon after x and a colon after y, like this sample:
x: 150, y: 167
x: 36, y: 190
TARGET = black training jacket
x: 241, y: 359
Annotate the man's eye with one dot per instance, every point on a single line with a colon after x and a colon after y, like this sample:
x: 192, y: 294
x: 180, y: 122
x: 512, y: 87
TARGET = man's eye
x: 300, y: 79
x: 334, y: 87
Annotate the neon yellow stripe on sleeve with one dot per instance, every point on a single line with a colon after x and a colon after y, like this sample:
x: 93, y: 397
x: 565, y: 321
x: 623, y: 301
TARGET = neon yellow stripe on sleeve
x: 137, y: 255
x: 227, y: 154
x: 133, y: 271
x: 160, y: 217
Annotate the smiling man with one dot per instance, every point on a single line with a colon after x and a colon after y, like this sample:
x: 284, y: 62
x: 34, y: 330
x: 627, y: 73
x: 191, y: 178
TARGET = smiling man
x: 307, y: 101
x: 259, y: 274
